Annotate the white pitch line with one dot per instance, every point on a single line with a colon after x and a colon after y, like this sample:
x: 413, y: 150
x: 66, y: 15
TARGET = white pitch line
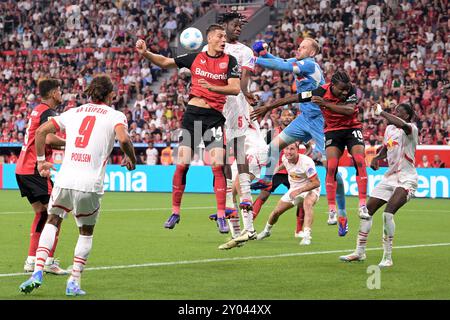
x: 182, y: 262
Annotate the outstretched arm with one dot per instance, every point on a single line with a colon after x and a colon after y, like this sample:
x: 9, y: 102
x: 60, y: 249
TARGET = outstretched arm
x: 341, y: 108
x: 396, y: 121
x: 159, y: 60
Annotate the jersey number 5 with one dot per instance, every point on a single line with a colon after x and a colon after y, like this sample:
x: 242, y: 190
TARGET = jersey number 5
x: 85, y: 132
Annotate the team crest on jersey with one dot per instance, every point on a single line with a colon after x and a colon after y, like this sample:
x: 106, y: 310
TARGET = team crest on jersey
x: 311, y: 171
x: 223, y: 65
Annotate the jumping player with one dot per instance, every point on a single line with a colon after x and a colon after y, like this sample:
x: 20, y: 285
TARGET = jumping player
x: 399, y: 183
x: 91, y: 130
x: 215, y: 75
x: 309, y: 124
x: 37, y: 189
x: 304, y: 191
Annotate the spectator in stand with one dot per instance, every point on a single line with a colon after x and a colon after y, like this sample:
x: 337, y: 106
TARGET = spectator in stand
x: 425, y: 163
x: 437, y: 162
x: 197, y: 161
x: 152, y: 155
x: 166, y: 156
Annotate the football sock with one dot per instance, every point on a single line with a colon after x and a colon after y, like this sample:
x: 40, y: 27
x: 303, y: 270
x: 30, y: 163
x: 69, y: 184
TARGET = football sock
x: 257, y: 205
x: 82, y: 250
x: 178, y: 185
x: 272, y: 161
x: 36, y: 228
x: 340, y: 195
x: 364, y: 229
x: 388, y: 234
x: 268, y: 227
x: 330, y: 186
x: 300, y: 219
x: 220, y: 190
x: 235, y: 226
x: 307, y: 232
x: 247, y: 219
x: 229, y: 201
x: 46, y: 242
x: 361, y: 178
x: 244, y: 182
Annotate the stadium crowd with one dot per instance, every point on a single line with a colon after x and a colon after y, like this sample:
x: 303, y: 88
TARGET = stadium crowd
x: 393, y: 54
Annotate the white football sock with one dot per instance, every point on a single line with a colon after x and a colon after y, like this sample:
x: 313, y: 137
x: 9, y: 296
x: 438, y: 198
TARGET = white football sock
x: 82, y: 250
x: 364, y: 229
x: 244, y: 182
x: 388, y: 234
x: 229, y: 199
x: 46, y: 242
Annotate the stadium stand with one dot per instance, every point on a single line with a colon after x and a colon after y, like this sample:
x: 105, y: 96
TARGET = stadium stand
x: 404, y: 58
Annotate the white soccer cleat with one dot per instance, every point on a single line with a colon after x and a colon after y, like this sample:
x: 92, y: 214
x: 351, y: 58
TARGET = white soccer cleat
x: 385, y: 263
x: 299, y: 234
x: 332, y: 218
x: 364, y: 213
x: 264, y: 234
x: 54, y: 268
x: 28, y: 266
x: 246, y: 236
x: 306, y: 241
x: 353, y: 257
x: 230, y: 244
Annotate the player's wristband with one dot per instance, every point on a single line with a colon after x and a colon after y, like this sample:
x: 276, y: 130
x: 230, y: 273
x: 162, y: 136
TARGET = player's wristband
x: 40, y: 158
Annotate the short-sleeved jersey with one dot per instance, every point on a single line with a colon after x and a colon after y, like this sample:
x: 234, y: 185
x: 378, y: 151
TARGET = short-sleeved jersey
x: 301, y: 172
x: 236, y: 110
x: 27, y: 159
x: 90, y: 136
x: 333, y: 120
x: 401, y: 151
x: 215, y: 70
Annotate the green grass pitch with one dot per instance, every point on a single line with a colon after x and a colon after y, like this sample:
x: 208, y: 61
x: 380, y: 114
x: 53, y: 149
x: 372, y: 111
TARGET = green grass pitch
x: 134, y: 257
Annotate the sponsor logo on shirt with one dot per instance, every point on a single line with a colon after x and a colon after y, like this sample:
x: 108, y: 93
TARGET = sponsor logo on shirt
x: 206, y: 74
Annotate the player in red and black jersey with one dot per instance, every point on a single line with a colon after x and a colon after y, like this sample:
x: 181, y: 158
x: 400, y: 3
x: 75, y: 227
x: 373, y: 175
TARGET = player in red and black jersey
x: 214, y: 75
x: 338, y: 102
x: 36, y: 188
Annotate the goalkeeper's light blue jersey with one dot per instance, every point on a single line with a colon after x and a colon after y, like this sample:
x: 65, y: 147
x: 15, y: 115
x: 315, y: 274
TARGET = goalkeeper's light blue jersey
x: 308, y: 76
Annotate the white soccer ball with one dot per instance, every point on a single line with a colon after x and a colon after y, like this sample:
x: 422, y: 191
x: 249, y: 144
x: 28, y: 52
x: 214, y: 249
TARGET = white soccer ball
x: 191, y: 39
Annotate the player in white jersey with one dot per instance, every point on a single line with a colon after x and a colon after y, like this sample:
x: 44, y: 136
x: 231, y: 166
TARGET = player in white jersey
x: 90, y: 133
x: 241, y: 131
x: 304, y: 190
x: 399, y: 183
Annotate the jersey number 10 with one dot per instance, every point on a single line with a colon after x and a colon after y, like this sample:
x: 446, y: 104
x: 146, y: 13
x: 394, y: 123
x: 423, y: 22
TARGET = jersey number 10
x: 85, y: 132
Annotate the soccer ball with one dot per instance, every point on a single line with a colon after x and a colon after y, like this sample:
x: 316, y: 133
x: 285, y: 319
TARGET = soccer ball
x: 191, y: 39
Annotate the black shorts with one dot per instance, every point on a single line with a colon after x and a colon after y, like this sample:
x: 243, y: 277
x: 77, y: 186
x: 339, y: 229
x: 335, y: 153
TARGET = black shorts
x: 202, y: 123
x: 344, y: 138
x: 35, y: 187
x: 279, y: 179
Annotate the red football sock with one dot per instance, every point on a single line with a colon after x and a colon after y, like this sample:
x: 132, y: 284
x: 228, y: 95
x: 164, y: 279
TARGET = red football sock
x: 361, y: 177
x: 36, y: 228
x: 331, y: 184
x: 257, y: 205
x: 178, y: 185
x: 300, y: 219
x: 220, y: 189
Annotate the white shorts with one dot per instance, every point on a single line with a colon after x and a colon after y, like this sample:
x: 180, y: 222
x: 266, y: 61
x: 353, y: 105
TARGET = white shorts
x: 236, y: 113
x: 84, y: 206
x: 299, y: 199
x: 385, y: 189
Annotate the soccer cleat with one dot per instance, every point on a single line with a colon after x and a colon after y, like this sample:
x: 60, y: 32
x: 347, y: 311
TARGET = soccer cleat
x: 246, y: 205
x: 172, y: 221
x: 299, y: 234
x: 34, y: 282
x: 54, y: 268
x: 332, y: 218
x: 264, y: 234
x: 231, y: 244
x: 306, y: 241
x: 364, y: 213
x: 385, y: 263
x: 28, y: 266
x: 222, y: 225
x: 261, y: 184
x: 342, y: 226
x: 73, y: 289
x: 246, y: 236
x: 353, y: 257
x: 229, y: 213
